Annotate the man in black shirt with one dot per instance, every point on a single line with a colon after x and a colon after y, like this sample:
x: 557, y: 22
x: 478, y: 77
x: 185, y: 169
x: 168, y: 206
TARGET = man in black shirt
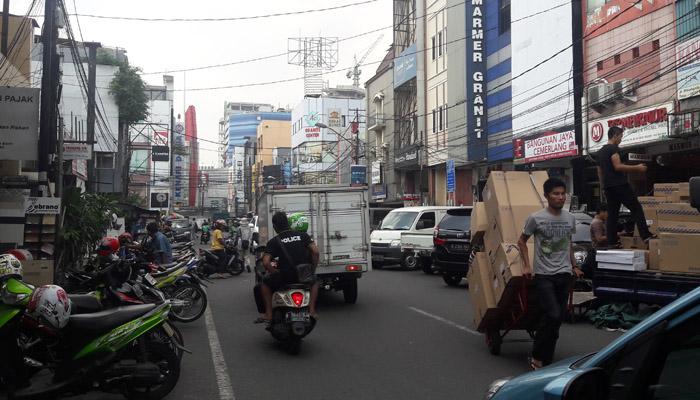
x: 611, y: 172
x: 300, y: 247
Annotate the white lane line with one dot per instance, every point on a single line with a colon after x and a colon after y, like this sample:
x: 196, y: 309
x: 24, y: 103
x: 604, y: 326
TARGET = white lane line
x: 217, y: 356
x: 445, y: 321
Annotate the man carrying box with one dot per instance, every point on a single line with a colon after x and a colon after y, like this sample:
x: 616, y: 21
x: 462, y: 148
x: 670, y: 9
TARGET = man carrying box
x: 554, y: 264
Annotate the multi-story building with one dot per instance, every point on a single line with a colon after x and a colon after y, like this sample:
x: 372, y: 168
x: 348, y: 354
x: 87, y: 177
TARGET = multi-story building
x: 324, y: 154
x: 271, y: 135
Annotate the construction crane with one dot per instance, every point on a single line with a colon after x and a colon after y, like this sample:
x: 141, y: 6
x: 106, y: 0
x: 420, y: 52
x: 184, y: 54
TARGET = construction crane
x: 355, y: 72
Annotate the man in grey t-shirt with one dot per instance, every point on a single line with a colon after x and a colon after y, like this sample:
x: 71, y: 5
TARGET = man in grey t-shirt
x: 554, y: 265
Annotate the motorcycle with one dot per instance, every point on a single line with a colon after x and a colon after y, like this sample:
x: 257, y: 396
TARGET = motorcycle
x: 233, y: 264
x: 204, y: 237
x: 120, y: 350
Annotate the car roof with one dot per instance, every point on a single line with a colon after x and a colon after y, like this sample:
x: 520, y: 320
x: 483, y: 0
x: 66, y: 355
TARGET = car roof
x: 425, y: 208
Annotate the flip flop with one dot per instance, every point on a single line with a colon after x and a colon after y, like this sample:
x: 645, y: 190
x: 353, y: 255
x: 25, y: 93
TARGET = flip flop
x: 261, y: 320
x: 533, y: 366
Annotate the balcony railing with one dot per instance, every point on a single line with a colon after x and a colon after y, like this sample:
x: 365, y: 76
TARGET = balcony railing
x: 376, y: 122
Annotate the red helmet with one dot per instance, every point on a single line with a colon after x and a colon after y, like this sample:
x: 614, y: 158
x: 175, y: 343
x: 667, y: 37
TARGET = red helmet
x: 108, y: 245
x: 125, y: 237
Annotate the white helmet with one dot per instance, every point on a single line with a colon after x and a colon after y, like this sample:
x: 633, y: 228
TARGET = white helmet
x: 50, y: 304
x: 10, y: 267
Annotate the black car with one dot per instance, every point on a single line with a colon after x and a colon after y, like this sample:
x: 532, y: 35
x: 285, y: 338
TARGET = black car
x: 452, y: 246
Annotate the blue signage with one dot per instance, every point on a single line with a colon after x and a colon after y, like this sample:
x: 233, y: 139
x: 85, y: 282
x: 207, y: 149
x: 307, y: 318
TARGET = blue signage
x: 450, y: 176
x: 378, y: 191
x: 405, y: 66
x: 477, y: 144
x: 358, y: 174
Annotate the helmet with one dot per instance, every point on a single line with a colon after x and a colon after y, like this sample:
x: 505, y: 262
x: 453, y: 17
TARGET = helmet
x: 10, y: 267
x: 298, y: 222
x: 108, y: 245
x: 125, y: 237
x: 50, y: 304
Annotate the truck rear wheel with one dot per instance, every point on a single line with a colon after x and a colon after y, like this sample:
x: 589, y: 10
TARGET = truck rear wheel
x: 350, y: 291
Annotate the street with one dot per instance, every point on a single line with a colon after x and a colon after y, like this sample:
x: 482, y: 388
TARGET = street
x: 409, y: 336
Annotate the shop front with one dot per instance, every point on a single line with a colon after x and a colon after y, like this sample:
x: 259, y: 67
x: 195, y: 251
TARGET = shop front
x: 412, y: 179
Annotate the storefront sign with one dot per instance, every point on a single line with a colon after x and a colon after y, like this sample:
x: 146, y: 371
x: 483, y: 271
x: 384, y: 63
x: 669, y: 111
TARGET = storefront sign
x: 688, y: 72
x: 159, y: 200
x: 179, y: 164
x: 376, y: 172
x: 545, y: 146
x: 639, y: 157
x: 312, y: 132
x: 476, y: 85
x: 358, y: 174
x: 405, y: 66
x: 378, y: 192
x: 77, y: 151
x: 450, y: 166
x: 160, y: 153
x: 406, y: 157
x: 42, y: 205
x: 641, y: 127
x: 19, y: 123
x: 335, y: 118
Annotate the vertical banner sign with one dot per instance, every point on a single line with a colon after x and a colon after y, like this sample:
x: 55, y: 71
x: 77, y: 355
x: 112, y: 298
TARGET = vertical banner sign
x: 19, y: 123
x: 358, y: 174
x: 450, y: 176
x: 179, y: 166
x: 477, y: 144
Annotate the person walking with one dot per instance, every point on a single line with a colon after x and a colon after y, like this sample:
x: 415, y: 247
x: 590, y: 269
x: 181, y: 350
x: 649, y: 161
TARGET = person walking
x: 611, y: 172
x: 553, y: 267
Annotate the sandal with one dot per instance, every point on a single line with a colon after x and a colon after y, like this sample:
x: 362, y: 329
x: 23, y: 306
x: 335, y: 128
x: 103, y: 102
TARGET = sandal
x: 533, y: 365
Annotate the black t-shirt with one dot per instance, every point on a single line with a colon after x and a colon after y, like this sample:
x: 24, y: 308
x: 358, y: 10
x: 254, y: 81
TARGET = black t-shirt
x: 611, y: 178
x: 297, y: 246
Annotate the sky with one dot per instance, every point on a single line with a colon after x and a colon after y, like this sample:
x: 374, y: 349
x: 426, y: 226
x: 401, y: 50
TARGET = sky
x: 157, y: 46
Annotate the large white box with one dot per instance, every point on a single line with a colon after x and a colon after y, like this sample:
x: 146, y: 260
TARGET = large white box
x: 622, y: 260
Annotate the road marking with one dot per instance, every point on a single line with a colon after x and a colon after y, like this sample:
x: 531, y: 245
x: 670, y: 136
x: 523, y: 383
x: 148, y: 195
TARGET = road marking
x: 445, y: 321
x: 217, y: 356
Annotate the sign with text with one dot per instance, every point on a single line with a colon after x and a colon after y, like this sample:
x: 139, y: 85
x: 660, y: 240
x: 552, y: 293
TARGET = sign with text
x: 42, y: 205
x: 405, y: 66
x: 159, y: 200
x: 641, y: 126
x: 450, y: 166
x: 546, y: 146
x: 378, y: 191
x: 688, y: 72
x: 477, y: 148
x: 335, y: 118
x: 376, y: 172
x: 19, y: 123
x: 406, y: 157
x: 77, y: 151
x: 358, y: 174
x: 160, y: 153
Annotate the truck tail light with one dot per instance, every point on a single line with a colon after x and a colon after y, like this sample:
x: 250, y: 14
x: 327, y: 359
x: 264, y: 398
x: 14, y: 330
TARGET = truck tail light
x: 353, y: 268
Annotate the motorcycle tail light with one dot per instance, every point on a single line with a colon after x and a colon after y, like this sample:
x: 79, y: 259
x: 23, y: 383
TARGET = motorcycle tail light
x: 298, y: 298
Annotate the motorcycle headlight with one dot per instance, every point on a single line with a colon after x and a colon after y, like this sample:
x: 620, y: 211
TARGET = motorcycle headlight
x: 580, y: 256
x: 395, y: 243
x: 495, y: 387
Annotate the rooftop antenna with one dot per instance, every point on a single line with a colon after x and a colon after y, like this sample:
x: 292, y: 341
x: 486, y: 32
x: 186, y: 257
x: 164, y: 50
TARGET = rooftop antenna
x: 355, y: 72
x: 315, y: 54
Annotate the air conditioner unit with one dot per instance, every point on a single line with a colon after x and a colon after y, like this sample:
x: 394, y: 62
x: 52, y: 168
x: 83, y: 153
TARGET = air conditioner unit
x: 598, y: 94
x: 624, y: 88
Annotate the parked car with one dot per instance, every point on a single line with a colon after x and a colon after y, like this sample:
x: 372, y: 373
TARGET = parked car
x: 656, y: 359
x: 451, y: 245
x: 182, y: 226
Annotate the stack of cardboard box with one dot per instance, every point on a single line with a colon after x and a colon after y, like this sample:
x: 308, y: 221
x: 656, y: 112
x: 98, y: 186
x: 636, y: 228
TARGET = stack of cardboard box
x: 509, y: 198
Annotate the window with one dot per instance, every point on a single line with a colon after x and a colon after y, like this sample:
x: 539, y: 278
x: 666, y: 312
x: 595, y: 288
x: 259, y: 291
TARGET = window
x: 682, y: 357
x: 444, y: 109
x: 426, y: 220
x: 655, y: 45
x: 635, y: 52
x: 139, y: 161
x: 599, y: 66
x: 434, y: 120
x: 343, y: 120
x: 104, y: 161
x: 440, y: 119
x: 439, y: 44
x: 617, y: 59
x: 444, y: 42
x: 433, y: 46
x: 503, y: 16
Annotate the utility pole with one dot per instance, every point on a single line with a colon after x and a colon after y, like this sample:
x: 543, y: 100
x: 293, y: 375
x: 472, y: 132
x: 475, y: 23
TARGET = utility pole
x: 49, y: 85
x: 92, y: 77
x: 5, y: 27
x: 356, y: 131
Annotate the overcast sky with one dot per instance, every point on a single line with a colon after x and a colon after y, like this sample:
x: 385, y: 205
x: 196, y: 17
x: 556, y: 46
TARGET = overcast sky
x: 164, y: 46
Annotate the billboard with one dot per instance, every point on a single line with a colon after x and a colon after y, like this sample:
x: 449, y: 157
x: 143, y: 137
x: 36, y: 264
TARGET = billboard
x: 641, y: 126
x: 688, y: 72
x: 19, y: 123
x: 535, y: 37
x: 159, y: 200
x: 160, y: 153
x: 605, y: 15
x: 545, y: 146
x: 477, y: 141
x: 405, y: 66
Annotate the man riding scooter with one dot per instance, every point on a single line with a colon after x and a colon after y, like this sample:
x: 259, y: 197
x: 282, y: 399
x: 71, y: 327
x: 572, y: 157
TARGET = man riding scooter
x: 291, y: 248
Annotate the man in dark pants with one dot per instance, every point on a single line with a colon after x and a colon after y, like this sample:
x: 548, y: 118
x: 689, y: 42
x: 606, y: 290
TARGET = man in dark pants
x: 554, y: 265
x: 611, y: 172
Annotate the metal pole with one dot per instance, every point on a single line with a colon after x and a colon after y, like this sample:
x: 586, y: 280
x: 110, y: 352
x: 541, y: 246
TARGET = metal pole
x: 92, y: 72
x: 5, y: 27
x: 59, y: 168
x: 49, y: 81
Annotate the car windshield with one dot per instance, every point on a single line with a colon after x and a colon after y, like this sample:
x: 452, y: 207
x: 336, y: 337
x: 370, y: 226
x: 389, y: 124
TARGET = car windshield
x: 398, y: 221
x: 455, y: 222
x: 181, y: 224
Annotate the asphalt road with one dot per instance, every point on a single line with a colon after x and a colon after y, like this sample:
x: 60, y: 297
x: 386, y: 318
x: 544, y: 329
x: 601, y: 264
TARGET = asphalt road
x: 409, y: 337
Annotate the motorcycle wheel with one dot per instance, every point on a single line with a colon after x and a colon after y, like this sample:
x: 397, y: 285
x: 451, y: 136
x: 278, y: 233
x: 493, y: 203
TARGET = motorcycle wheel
x: 169, y: 365
x: 196, y: 302
x: 236, y: 268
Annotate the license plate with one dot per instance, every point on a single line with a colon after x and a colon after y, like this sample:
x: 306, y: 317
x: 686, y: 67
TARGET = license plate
x: 297, y: 316
x: 458, y: 247
x: 150, y: 279
x: 378, y: 257
x: 168, y: 329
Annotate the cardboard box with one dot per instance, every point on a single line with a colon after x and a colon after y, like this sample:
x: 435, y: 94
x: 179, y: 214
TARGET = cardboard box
x: 635, y: 242
x: 684, y: 189
x: 654, y: 255
x: 38, y: 272
x: 508, y: 266
x: 481, y: 279
x: 479, y: 221
x: 665, y: 189
x: 510, y: 197
x: 679, y: 252
x: 680, y: 212
x: 622, y: 260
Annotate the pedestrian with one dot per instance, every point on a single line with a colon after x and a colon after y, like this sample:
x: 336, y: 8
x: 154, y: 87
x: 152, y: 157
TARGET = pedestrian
x: 553, y: 267
x: 599, y: 236
x: 611, y: 172
x: 159, y: 245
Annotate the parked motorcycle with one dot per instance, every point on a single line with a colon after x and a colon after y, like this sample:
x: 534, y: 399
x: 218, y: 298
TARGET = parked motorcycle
x: 204, y: 237
x: 233, y: 263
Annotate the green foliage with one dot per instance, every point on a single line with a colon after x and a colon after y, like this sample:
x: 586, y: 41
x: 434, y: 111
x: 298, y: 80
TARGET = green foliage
x: 87, y: 216
x: 105, y: 57
x: 129, y: 91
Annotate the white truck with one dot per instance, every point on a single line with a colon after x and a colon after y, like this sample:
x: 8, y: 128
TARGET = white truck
x: 338, y: 222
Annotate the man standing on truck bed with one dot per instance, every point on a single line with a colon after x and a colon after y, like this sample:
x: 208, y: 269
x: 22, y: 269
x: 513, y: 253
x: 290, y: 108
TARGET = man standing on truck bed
x: 611, y: 172
x: 554, y: 264
x: 300, y: 248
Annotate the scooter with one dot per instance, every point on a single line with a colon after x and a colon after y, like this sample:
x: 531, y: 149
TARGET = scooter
x: 204, y: 237
x: 210, y: 263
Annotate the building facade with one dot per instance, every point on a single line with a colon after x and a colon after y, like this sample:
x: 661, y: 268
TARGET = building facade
x: 271, y: 136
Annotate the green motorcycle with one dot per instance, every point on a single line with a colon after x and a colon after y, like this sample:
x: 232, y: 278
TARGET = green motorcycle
x: 120, y: 350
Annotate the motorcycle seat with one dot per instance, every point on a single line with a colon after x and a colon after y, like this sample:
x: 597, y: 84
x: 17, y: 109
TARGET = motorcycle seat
x: 296, y: 286
x: 167, y: 271
x: 84, y: 304
x: 108, y: 319
x: 167, y: 265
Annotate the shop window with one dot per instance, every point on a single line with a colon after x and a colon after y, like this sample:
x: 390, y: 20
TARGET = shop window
x: 617, y: 59
x: 655, y: 45
x: 599, y: 66
x: 635, y: 52
x: 503, y: 16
